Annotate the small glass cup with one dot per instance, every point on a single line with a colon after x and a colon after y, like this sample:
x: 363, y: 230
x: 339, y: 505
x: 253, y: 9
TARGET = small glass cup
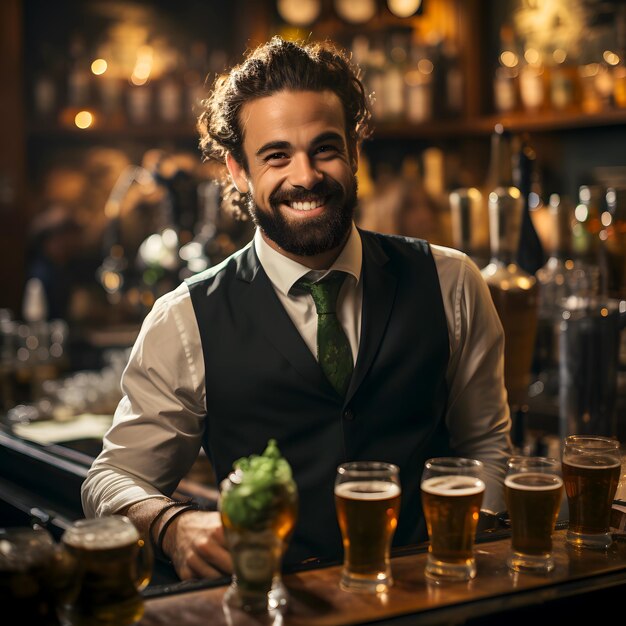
x: 30, y: 577
x: 533, y: 490
x: 452, y: 494
x: 110, y: 565
x: 591, y: 472
x: 367, y: 501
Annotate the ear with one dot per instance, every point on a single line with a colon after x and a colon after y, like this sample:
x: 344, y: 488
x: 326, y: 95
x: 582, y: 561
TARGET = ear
x: 237, y: 173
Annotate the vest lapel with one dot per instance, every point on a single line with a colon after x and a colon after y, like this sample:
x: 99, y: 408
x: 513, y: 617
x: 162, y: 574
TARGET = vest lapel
x: 264, y: 307
x: 379, y: 289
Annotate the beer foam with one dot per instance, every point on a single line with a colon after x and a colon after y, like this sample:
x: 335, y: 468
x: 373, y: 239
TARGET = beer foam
x: 101, y: 533
x: 370, y: 490
x: 453, y: 485
x: 511, y: 482
x: 590, y: 463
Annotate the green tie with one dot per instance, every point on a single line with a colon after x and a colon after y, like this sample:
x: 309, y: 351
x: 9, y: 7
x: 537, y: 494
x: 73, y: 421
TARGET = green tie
x: 333, y: 348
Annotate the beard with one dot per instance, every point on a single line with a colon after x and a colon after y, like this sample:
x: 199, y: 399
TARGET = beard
x: 315, y: 235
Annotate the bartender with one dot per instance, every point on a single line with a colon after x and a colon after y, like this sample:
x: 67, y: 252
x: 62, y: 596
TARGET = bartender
x: 339, y: 343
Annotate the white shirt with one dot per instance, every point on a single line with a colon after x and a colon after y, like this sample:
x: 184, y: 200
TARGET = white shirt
x: 158, y: 426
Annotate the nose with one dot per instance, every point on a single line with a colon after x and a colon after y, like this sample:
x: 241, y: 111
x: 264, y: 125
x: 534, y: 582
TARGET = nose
x: 303, y: 172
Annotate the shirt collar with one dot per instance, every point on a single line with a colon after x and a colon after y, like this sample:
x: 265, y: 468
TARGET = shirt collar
x: 283, y: 272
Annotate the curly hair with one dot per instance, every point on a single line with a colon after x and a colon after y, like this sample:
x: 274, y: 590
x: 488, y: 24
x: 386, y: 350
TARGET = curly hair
x: 276, y: 66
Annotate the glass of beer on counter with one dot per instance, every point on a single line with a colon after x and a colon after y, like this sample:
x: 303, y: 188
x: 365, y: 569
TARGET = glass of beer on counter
x: 533, y: 490
x: 31, y: 576
x: 367, y: 499
x: 110, y: 565
x: 591, y: 471
x: 452, y: 494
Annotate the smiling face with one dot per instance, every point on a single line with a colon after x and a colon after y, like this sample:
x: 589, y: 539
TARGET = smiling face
x: 300, y: 174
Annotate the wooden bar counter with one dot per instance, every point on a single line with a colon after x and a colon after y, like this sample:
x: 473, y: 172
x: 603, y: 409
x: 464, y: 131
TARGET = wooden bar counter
x: 577, y: 586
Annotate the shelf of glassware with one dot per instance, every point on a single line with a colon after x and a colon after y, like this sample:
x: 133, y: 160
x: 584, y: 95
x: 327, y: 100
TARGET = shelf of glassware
x: 516, y: 122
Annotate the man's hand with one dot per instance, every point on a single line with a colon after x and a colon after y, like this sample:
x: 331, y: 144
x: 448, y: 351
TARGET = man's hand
x: 195, y: 544
x: 194, y: 541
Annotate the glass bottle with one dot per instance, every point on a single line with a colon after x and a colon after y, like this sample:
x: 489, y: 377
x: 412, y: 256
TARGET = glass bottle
x: 514, y: 291
x: 556, y: 282
x: 613, y: 235
x: 506, y: 76
x: 530, y: 254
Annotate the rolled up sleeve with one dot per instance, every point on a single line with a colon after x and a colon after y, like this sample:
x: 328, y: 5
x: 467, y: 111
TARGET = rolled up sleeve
x: 157, y: 428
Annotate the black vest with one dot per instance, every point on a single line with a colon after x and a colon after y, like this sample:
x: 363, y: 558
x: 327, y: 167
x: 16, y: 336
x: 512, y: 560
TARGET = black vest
x: 262, y: 381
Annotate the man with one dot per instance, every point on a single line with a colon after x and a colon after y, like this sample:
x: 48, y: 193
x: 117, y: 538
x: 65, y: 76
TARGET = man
x: 228, y: 359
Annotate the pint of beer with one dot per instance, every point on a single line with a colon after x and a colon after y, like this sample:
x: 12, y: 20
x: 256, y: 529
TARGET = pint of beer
x: 452, y: 493
x: 30, y: 576
x: 533, y: 490
x: 111, y: 565
x: 591, y: 471
x: 367, y: 499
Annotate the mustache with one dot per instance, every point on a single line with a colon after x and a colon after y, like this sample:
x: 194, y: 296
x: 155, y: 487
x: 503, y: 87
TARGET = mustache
x: 322, y: 189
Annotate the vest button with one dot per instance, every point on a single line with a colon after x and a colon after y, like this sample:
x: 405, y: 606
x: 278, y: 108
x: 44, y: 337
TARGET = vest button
x: 348, y: 415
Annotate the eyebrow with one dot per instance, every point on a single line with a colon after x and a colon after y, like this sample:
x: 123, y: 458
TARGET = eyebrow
x: 283, y: 145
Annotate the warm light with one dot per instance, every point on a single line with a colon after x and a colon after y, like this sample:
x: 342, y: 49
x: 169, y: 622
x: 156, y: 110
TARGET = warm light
x: 569, y: 264
x: 526, y: 283
x: 355, y: 11
x: 532, y: 56
x: 610, y: 57
x: 99, y: 66
x: 403, y: 8
x: 111, y: 281
x: 606, y: 218
x: 83, y: 119
x: 591, y: 69
x: 143, y: 66
x: 299, y: 12
x: 514, y: 192
x: 581, y: 212
x: 604, y: 312
x: 559, y: 55
x: 509, y: 59
x: 425, y: 66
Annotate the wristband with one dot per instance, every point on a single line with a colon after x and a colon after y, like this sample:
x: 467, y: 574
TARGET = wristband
x: 157, y: 546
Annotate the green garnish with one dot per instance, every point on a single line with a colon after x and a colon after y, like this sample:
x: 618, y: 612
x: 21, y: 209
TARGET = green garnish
x: 258, y: 480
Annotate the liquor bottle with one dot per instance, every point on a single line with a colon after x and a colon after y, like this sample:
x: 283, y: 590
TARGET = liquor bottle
x: 195, y: 87
x: 395, y: 70
x: 506, y: 77
x: 557, y: 281
x: 514, y: 291
x: 419, y: 86
x: 614, y: 237
x: 530, y: 254
x: 170, y: 90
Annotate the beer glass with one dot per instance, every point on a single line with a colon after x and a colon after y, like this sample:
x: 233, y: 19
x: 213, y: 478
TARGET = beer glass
x: 452, y: 493
x: 367, y: 501
x: 591, y: 471
x: 533, y: 490
x: 111, y: 564
x: 31, y: 576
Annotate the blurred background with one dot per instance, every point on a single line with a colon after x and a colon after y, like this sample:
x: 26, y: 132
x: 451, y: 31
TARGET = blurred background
x: 105, y: 203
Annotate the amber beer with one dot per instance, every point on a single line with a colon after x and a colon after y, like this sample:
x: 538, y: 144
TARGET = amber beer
x: 30, y: 580
x: 591, y: 471
x: 590, y: 491
x: 108, y: 573
x: 368, y: 516
x: 533, y: 501
x: 451, y: 507
x: 367, y: 500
